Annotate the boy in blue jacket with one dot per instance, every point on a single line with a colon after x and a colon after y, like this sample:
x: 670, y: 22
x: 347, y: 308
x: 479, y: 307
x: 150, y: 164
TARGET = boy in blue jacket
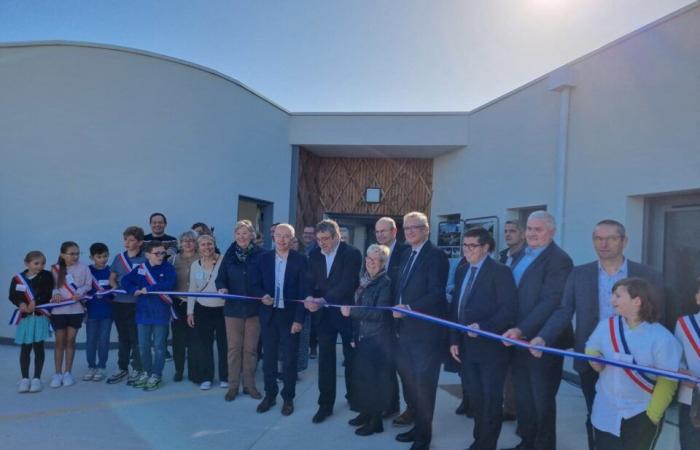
x: 153, y: 311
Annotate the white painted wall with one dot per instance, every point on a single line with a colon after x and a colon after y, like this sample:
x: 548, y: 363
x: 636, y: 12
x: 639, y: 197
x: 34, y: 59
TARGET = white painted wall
x: 95, y: 139
x: 634, y: 131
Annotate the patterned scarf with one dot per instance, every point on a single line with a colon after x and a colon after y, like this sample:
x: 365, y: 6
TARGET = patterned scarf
x: 242, y: 253
x: 366, y: 280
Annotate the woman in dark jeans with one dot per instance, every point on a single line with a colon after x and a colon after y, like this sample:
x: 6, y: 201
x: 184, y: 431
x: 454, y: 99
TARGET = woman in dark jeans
x: 371, y: 376
x: 241, y: 316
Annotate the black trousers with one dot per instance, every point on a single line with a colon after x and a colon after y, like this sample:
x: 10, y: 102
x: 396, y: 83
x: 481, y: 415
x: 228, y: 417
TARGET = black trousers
x: 327, y: 331
x: 395, y: 403
x: 276, y: 336
x: 588, y: 380
x: 124, y: 315
x: 485, y: 382
x: 209, y: 325
x: 419, y: 367
x: 371, y: 375
x: 690, y: 436
x: 636, y: 433
x: 183, y: 342
x: 537, y: 382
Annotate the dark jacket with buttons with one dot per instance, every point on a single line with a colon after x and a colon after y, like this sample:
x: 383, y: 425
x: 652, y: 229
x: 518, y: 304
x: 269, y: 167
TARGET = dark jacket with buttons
x: 370, y: 323
x: 235, y: 276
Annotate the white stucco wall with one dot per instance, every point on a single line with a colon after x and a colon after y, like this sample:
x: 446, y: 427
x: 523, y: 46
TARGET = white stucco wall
x: 634, y: 131
x: 95, y: 139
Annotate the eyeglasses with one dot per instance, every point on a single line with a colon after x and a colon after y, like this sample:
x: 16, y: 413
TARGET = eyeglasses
x: 413, y: 227
x: 324, y: 238
x: 159, y: 253
x: 600, y: 239
x: 472, y: 246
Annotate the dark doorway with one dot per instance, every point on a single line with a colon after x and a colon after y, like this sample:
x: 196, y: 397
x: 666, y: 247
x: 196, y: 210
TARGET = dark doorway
x: 259, y: 212
x: 361, y: 227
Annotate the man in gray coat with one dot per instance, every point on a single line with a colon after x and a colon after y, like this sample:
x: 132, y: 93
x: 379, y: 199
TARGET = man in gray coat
x: 587, y: 294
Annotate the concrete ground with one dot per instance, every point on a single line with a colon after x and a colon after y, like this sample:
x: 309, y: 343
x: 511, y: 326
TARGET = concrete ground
x: 93, y: 415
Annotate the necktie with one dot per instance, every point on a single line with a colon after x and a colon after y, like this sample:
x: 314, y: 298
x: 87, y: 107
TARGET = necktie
x: 463, y: 298
x: 407, y: 270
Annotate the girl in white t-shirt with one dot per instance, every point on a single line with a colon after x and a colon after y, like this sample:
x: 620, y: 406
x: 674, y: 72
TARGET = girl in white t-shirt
x: 629, y: 405
x: 688, y: 334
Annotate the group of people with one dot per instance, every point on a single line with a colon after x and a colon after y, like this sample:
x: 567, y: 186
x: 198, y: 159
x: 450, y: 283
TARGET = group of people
x: 531, y: 292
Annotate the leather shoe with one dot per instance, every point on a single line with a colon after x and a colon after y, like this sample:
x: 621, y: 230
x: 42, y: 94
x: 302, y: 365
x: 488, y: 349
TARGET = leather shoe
x: 321, y: 415
x: 231, y: 395
x: 287, y: 407
x: 408, y: 436
x: 254, y: 393
x: 373, y: 425
x: 266, y: 404
x: 405, y: 419
x: 359, y: 421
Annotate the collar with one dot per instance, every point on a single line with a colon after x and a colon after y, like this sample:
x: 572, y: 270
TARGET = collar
x: 332, y: 252
x: 623, y: 269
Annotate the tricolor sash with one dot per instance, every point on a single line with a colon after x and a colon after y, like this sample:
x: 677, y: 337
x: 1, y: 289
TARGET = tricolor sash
x: 152, y: 281
x: 125, y: 262
x: 16, y: 316
x: 617, y: 335
x: 691, y: 330
x: 69, y: 289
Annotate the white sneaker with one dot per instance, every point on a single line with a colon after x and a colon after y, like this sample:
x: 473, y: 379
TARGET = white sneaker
x: 223, y: 385
x: 99, y: 375
x: 68, y: 379
x: 36, y: 385
x: 56, y: 380
x: 23, y: 385
x: 89, y: 375
x: 205, y: 386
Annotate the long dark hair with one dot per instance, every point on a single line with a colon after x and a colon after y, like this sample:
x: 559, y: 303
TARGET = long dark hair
x: 61, y: 279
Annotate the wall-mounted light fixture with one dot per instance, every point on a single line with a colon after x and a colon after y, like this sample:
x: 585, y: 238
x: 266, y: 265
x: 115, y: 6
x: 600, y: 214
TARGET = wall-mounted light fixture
x: 373, y: 195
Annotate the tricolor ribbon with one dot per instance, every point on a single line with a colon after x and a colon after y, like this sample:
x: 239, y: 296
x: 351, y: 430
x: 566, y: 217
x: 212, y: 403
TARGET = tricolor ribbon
x: 690, y: 329
x: 163, y: 296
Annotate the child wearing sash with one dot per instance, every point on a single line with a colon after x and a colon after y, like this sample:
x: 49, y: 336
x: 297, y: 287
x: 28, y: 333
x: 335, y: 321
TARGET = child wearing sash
x: 629, y: 405
x: 153, y: 311
x: 72, y: 280
x: 124, y: 308
x: 99, y: 314
x: 29, y: 289
x: 688, y: 334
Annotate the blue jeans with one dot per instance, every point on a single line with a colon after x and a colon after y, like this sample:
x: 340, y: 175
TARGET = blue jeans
x: 97, y: 332
x: 156, y: 336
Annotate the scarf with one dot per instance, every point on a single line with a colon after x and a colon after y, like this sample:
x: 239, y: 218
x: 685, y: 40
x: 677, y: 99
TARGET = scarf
x: 242, y: 253
x: 366, y: 280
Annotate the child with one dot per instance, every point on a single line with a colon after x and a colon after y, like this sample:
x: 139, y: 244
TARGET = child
x: 688, y: 333
x: 153, y: 312
x: 629, y: 405
x: 99, y: 313
x: 124, y: 308
x: 29, y: 289
x: 72, y: 281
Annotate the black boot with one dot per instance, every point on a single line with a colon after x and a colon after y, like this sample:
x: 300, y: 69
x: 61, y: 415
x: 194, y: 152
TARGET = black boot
x: 360, y: 420
x: 373, y: 425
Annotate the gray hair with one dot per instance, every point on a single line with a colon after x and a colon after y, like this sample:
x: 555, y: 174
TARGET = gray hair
x: 206, y: 237
x: 417, y: 215
x: 328, y: 226
x: 246, y: 224
x: 285, y: 226
x: 188, y: 234
x: 517, y: 224
x: 388, y: 220
x: 543, y: 215
x: 380, y: 250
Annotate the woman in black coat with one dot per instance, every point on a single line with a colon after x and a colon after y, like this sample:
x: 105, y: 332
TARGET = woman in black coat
x: 371, y: 375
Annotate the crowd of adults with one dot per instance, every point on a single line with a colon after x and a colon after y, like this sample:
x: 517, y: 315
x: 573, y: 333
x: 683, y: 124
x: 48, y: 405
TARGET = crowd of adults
x: 304, y: 293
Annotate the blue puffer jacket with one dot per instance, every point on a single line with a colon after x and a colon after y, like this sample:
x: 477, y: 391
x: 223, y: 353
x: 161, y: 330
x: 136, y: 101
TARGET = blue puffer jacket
x: 235, y: 276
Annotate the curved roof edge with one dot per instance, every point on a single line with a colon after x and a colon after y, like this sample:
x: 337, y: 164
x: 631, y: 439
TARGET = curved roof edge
x: 145, y: 53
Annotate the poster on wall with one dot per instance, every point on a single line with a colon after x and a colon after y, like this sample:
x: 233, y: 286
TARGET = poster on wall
x: 489, y: 223
x: 449, y: 237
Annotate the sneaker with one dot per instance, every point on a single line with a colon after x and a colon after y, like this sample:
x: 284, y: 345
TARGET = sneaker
x: 153, y: 383
x: 223, y: 385
x: 133, y: 376
x: 99, y: 375
x: 68, y: 379
x: 89, y: 375
x: 23, y: 385
x: 56, y: 380
x: 141, y: 381
x: 205, y: 386
x: 117, y: 377
x: 36, y: 385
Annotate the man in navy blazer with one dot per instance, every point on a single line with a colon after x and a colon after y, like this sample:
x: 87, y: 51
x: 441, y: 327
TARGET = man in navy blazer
x: 385, y: 231
x: 421, y: 284
x: 280, y: 277
x: 485, y: 299
x: 334, y: 272
x: 540, y: 275
x: 587, y: 294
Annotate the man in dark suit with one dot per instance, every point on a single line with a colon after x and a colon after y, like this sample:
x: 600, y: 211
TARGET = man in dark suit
x: 280, y: 276
x: 587, y: 294
x: 460, y: 272
x: 514, y: 235
x: 540, y: 276
x: 486, y: 299
x: 334, y: 272
x: 421, y: 287
x: 385, y: 231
